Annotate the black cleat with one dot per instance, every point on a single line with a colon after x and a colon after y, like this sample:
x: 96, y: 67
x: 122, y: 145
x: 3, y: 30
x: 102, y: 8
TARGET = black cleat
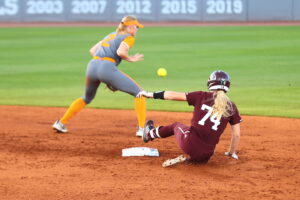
x: 148, y: 127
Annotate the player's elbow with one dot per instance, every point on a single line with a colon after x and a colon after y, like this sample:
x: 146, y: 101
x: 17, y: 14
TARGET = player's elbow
x: 121, y: 53
x: 92, y: 52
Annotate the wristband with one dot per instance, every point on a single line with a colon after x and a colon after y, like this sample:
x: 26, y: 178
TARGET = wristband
x: 159, y: 95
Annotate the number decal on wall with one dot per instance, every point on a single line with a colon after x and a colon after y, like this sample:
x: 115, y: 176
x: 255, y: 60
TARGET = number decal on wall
x: 179, y: 7
x: 86, y: 7
x: 45, y: 7
x: 10, y: 7
x: 213, y: 118
x: 134, y: 6
x: 224, y: 7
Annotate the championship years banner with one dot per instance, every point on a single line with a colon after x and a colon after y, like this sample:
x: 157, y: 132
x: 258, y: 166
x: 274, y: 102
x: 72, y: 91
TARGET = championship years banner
x: 149, y: 10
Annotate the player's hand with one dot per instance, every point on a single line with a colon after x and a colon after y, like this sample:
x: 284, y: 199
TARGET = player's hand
x: 144, y: 94
x: 137, y: 57
x: 233, y: 155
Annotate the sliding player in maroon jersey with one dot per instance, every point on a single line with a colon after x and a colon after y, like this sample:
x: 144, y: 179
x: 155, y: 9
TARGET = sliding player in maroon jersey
x: 212, y: 111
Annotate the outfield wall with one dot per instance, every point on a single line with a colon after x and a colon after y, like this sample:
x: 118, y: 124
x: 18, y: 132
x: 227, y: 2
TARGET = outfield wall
x: 149, y: 10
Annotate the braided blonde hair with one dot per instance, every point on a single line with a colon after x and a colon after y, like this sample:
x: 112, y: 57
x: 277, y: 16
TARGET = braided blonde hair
x: 222, y: 105
x: 121, y: 27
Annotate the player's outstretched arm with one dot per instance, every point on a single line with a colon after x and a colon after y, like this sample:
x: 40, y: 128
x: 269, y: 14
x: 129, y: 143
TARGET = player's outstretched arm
x: 235, y: 140
x: 167, y: 95
x: 177, y: 96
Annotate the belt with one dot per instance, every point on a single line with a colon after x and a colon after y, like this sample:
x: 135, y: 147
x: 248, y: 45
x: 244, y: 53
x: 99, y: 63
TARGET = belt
x: 104, y: 58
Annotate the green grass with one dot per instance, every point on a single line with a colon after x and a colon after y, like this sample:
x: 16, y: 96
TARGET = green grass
x: 46, y: 66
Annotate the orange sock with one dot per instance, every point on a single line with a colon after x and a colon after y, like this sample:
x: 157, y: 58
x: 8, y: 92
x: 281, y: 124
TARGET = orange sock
x: 74, y: 108
x: 140, y: 109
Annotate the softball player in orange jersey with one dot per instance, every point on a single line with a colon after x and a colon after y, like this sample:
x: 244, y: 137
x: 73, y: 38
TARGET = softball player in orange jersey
x: 107, y: 55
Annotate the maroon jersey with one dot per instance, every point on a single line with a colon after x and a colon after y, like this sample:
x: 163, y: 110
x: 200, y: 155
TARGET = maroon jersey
x: 206, y: 125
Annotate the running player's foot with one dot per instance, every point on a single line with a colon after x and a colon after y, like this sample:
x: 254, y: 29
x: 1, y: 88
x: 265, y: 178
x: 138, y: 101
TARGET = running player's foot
x: 140, y: 132
x: 59, y: 127
x: 148, y: 127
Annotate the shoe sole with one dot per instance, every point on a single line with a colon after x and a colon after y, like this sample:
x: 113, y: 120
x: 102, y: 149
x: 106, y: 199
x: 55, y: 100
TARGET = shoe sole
x: 139, y: 135
x: 57, y: 130
x: 174, y: 161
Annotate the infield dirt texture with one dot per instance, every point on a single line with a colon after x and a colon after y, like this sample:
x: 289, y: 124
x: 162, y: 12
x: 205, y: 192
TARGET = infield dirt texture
x: 36, y: 163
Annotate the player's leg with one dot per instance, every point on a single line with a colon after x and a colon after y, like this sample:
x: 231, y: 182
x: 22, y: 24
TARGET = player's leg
x: 124, y: 83
x: 150, y: 132
x: 191, y: 144
x: 90, y: 90
x: 77, y: 105
x: 140, y: 110
x: 74, y: 108
x: 80, y: 103
x: 92, y: 84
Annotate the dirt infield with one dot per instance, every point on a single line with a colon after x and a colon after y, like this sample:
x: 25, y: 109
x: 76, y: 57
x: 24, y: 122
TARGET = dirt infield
x: 36, y: 163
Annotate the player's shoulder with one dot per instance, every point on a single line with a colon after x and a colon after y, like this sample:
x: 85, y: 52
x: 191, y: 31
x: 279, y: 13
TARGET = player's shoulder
x: 233, y: 104
x: 129, y: 40
x: 129, y: 37
x: 199, y: 94
x: 123, y: 35
x: 109, y: 35
x: 112, y: 33
x: 196, y: 92
x: 198, y: 97
x: 234, y: 108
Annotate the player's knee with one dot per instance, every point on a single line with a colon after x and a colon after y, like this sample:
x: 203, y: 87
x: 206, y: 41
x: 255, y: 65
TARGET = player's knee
x: 176, y: 124
x: 87, y: 100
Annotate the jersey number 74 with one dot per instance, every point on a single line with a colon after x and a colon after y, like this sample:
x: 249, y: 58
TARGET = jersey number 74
x: 213, y: 118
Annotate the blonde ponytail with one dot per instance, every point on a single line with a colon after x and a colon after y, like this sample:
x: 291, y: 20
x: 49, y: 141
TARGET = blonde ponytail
x: 222, y: 105
x: 122, y: 26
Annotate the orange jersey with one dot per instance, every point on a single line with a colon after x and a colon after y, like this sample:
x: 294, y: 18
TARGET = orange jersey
x: 111, y: 43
